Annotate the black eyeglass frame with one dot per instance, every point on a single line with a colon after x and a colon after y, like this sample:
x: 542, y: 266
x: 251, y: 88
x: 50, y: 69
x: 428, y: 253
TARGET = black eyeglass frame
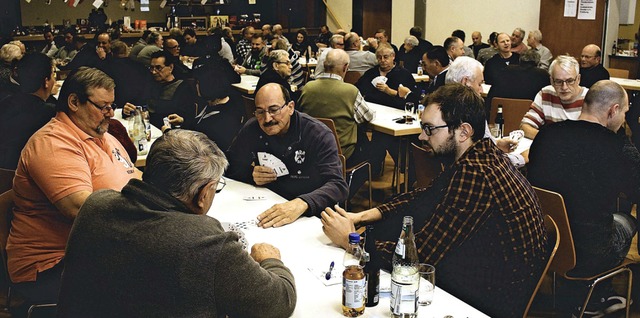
x: 102, y: 109
x: 428, y: 130
x: 270, y: 110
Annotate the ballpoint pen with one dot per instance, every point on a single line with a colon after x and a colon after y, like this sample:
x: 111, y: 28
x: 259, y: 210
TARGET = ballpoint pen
x: 328, y: 274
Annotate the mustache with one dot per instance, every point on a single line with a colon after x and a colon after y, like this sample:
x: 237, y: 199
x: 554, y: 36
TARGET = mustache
x: 271, y: 123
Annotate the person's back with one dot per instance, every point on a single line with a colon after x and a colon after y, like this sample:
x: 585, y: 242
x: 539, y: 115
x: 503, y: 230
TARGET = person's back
x: 132, y: 80
x: 518, y: 81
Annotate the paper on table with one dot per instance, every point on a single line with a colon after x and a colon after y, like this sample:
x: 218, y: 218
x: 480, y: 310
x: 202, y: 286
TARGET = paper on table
x: 321, y: 273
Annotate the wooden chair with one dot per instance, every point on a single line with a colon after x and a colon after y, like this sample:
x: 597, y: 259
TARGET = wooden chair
x: 426, y: 165
x: 352, y: 77
x: 6, y: 179
x: 554, y: 238
x: 616, y: 72
x: 552, y: 204
x: 348, y: 172
x: 249, y: 107
x: 512, y: 110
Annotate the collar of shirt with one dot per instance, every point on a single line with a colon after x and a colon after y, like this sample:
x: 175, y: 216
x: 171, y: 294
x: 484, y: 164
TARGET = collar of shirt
x: 329, y: 75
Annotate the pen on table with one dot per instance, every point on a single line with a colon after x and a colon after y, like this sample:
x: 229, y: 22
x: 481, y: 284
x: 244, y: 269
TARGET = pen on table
x: 328, y: 274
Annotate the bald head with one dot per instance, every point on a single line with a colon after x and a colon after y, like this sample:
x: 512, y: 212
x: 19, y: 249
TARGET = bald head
x: 352, y: 41
x: 606, y: 102
x: 337, y: 62
x: 591, y: 56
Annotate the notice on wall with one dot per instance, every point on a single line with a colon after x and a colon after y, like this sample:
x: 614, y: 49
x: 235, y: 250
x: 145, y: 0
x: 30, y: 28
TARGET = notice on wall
x: 570, y: 7
x: 587, y: 10
x: 97, y: 3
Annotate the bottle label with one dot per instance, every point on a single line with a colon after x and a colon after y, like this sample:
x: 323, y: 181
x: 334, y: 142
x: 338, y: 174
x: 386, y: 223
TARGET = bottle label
x: 404, y: 297
x: 353, y: 292
x: 400, y: 249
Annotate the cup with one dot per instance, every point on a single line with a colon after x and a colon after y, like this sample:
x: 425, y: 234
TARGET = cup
x: 495, y: 130
x: 408, y: 112
x: 427, y: 284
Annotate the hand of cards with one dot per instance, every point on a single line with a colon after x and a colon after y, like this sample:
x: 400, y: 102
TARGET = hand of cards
x: 516, y: 135
x: 270, y: 161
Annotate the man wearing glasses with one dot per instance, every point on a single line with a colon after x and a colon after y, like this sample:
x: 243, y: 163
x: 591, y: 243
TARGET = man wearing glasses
x: 62, y: 164
x: 479, y: 208
x: 292, y: 154
x: 559, y: 101
x: 591, y: 70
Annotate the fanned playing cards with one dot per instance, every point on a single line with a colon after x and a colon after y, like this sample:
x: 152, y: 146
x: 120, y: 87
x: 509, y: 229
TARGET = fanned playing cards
x: 268, y: 160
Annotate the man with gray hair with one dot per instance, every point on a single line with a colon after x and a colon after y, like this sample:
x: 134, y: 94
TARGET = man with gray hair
x: 335, y: 42
x: 277, y: 34
x: 559, y: 101
x: 517, y: 46
x: 587, y: 162
x: 361, y: 61
x: 160, y: 255
x: 535, y: 42
x: 468, y: 72
x: 65, y: 161
x: 409, y: 55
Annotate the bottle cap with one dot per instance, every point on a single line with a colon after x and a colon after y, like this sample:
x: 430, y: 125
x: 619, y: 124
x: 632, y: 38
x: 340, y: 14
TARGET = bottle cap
x: 354, y: 238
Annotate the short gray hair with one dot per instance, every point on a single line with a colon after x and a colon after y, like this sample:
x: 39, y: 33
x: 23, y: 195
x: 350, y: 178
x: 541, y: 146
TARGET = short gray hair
x: 521, y: 31
x: 565, y: 62
x: 181, y: 162
x: 411, y: 40
x: 536, y: 34
x: 81, y: 83
x: 602, y: 95
x: 461, y: 67
x: 276, y: 55
x: 335, y: 59
x: 334, y: 39
x: 10, y: 53
x: 530, y: 56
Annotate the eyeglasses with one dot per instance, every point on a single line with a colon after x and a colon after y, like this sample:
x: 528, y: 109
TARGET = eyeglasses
x: 156, y: 68
x: 428, y: 130
x: 560, y: 83
x: 273, y: 110
x: 221, y: 184
x: 104, y: 109
x: 287, y: 62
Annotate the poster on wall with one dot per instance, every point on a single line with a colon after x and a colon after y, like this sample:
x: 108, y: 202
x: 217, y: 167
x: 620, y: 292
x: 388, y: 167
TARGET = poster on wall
x: 570, y: 7
x: 587, y: 10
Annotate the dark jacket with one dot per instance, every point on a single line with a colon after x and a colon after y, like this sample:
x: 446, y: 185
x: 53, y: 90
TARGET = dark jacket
x: 396, y: 76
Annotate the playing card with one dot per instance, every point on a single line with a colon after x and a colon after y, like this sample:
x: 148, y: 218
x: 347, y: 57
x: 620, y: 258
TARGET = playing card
x: 268, y: 160
x: 516, y: 135
x: 379, y: 79
x: 245, y: 225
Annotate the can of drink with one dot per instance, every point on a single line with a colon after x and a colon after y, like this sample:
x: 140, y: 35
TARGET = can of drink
x: 419, y: 70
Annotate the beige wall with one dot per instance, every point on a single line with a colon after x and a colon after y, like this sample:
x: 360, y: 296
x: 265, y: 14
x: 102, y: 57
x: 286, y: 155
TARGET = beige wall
x: 343, y: 10
x: 37, y: 12
x: 444, y: 16
x: 401, y: 20
x: 629, y: 31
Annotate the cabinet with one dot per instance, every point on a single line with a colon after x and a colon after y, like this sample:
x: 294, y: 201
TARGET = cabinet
x: 626, y: 63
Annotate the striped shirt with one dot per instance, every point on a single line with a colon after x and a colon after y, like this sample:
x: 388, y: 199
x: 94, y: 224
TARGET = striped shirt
x: 547, y: 108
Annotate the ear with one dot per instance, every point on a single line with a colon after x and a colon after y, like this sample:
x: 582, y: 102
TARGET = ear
x: 292, y: 107
x: 465, y: 132
x: 613, y: 110
x: 205, y: 195
x: 73, y: 102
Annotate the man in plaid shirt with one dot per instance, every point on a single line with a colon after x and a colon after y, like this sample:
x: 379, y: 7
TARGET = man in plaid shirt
x: 244, y: 45
x: 479, y: 222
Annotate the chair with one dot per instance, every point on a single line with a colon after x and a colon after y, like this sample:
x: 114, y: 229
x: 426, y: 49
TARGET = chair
x: 616, y: 72
x: 552, y: 204
x: 512, y: 110
x: 552, y: 234
x: 352, y: 77
x: 427, y: 166
x: 249, y: 107
x: 348, y: 172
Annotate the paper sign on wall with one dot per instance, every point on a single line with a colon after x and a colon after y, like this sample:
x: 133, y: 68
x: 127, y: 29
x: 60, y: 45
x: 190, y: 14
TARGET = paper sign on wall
x: 97, y: 3
x: 587, y: 9
x: 163, y: 3
x: 570, y: 7
x: 252, y: 1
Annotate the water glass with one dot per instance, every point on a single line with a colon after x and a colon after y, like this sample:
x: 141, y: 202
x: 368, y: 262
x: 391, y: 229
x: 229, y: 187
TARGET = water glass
x: 427, y: 284
x: 408, y: 112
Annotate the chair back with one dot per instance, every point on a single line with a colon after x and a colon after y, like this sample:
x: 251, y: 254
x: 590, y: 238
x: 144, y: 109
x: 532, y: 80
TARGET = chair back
x: 554, y: 238
x: 513, y: 111
x: 616, y: 72
x: 427, y: 166
x: 6, y: 179
x: 552, y: 204
x: 332, y: 126
x: 249, y: 107
x: 352, y: 77
x: 6, y: 213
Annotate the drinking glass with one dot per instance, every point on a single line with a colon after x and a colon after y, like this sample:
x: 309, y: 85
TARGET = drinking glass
x: 427, y: 284
x: 408, y: 112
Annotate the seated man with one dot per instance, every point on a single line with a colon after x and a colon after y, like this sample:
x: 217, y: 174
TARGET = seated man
x: 479, y: 223
x: 98, y: 56
x: 193, y: 47
x: 307, y: 149
x: 160, y: 255
x: 454, y: 47
x: 435, y: 63
x: 535, y: 42
x: 591, y: 70
x: 168, y: 95
x: 361, y: 61
x: 277, y: 70
x: 24, y: 113
x: 559, y: 101
x: 61, y: 165
x: 256, y: 59
x: 336, y: 42
x: 590, y: 165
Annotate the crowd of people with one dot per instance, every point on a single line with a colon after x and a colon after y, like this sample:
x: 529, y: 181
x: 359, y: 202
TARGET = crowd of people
x: 481, y: 207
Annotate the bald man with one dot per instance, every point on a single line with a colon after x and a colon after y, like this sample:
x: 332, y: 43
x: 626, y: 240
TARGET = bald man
x: 477, y: 44
x: 591, y: 70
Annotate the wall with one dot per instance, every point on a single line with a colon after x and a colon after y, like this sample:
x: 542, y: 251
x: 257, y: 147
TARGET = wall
x: 402, y: 15
x: 629, y: 31
x: 444, y: 16
x: 343, y: 11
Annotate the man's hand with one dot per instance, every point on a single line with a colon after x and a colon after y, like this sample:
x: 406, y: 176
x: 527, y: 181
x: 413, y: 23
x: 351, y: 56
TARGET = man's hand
x: 404, y: 91
x: 102, y: 54
x: 262, y: 251
x: 240, y: 69
x: 263, y: 175
x: 337, y: 225
x: 283, y: 213
x: 175, y: 119
x: 128, y: 109
x: 383, y: 87
x: 506, y: 144
x: 373, y: 43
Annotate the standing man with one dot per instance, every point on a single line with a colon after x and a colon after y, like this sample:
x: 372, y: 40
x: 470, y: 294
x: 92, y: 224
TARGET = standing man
x: 66, y: 160
x: 535, y: 42
x: 559, y: 101
x: 309, y: 174
x: 160, y: 255
x: 477, y: 44
x: 591, y: 70
x: 587, y: 162
x: 244, y: 45
x: 256, y: 60
x: 517, y: 46
x: 498, y: 62
x: 322, y: 41
x: 454, y: 47
x: 480, y: 208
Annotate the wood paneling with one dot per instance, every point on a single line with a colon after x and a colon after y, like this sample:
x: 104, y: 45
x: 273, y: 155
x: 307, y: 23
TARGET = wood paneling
x: 569, y: 35
x: 371, y: 15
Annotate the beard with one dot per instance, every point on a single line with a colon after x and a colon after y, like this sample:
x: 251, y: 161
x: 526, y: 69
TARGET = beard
x: 446, y: 150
